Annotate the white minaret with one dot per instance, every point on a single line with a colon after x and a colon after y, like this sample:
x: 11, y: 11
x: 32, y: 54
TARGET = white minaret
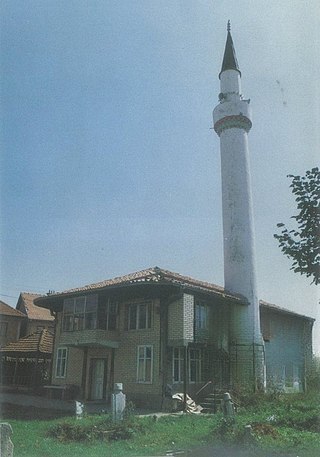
x: 232, y: 122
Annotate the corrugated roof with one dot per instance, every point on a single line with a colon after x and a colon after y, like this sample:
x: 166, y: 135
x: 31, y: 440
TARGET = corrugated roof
x: 6, y: 310
x: 40, y: 342
x: 155, y: 275
x: 33, y: 311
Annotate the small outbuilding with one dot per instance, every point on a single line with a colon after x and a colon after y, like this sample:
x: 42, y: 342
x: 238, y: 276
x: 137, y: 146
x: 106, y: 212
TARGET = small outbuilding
x: 27, y: 362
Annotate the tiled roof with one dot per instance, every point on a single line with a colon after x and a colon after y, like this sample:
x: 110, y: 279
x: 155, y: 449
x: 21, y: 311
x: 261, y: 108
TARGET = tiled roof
x: 34, y: 312
x: 280, y: 309
x: 155, y: 275
x: 158, y: 275
x: 38, y: 342
x: 6, y: 310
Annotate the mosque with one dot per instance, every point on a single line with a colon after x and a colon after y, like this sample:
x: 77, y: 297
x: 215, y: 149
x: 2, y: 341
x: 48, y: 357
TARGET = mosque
x: 155, y: 328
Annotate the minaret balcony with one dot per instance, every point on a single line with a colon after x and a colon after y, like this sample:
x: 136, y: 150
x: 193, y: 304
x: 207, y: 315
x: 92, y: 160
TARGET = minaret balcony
x: 232, y: 114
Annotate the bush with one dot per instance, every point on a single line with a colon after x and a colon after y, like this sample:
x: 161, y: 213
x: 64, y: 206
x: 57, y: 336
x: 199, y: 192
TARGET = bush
x: 313, y: 377
x: 90, y: 430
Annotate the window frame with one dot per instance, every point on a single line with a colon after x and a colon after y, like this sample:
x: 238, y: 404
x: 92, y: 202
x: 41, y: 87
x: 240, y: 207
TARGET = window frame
x: 61, y: 361
x: 201, y: 315
x: 199, y: 361
x: 198, y: 364
x: 114, y: 314
x: 144, y: 361
x: 180, y: 364
x: 77, y: 319
x: 134, y: 322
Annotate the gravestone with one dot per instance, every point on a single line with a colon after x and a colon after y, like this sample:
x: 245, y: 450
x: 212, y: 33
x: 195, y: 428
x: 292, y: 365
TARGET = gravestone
x: 6, y: 445
x: 79, y: 409
x: 228, y: 407
x: 118, y: 402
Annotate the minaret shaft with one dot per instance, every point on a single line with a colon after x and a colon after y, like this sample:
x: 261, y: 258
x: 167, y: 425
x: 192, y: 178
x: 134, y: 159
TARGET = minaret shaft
x: 238, y: 230
x: 232, y: 122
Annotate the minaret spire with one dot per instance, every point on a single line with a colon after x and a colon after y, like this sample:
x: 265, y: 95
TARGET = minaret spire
x: 229, y: 59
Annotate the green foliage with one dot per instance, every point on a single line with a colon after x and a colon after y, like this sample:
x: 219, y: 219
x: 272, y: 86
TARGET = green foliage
x: 283, y: 423
x: 313, y: 377
x: 302, y: 244
x: 280, y: 425
x: 103, y: 429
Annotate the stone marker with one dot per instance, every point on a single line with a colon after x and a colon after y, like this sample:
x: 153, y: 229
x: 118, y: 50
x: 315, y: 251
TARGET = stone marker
x: 79, y: 409
x: 6, y: 445
x: 228, y: 407
x: 248, y: 435
x: 118, y: 402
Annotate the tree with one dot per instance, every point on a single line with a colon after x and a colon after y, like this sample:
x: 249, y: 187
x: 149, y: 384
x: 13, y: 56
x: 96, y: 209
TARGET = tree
x: 302, y: 245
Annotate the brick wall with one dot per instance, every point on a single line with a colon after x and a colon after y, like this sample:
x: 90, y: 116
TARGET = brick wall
x: 125, y: 355
x: 181, y: 321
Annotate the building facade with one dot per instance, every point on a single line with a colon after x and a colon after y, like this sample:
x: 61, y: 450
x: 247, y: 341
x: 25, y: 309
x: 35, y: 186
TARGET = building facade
x: 11, y: 321
x: 155, y: 331
x: 158, y: 332
x: 37, y: 318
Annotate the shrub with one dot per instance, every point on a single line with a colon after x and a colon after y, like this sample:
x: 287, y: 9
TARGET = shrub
x: 105, y: 429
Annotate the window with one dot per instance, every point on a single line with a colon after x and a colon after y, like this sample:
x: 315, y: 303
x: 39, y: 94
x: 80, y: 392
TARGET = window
x: 195, y: 364
x: 80, y: 313
x: 3, y: 328
x: 139, y: 316
x: 112, y: 316
x: 61, y: 363
x: 91, y: 309
x: 266, y: 327
x: 144, y: 364
x: 201, y: 316
x: 68, y: 312
x: 178, y: 364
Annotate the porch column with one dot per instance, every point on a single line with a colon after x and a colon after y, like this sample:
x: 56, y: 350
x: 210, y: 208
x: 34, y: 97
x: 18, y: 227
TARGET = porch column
x: 84, y: 372
x: 15, y: 372
x: 185, y: 378
x: 35, y: 372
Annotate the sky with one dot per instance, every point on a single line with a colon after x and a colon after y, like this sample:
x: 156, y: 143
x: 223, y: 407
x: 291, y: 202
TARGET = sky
x: 109, y: 163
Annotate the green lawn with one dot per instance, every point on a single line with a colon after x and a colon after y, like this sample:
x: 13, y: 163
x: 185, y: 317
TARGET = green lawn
x: 287, y: 425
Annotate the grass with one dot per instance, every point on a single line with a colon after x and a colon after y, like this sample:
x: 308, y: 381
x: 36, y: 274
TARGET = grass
x: 31, y: 437
x: 285, y: 426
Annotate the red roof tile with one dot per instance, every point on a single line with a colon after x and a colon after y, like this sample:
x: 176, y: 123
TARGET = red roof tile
x: 34, y: 312
x: 154, y: 275
x: 158, y: 275
x: 280, y: 309
x: 6, y: 310
x: 40, y: 342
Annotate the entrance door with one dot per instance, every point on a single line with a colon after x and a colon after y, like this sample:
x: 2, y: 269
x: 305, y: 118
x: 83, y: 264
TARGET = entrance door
x: 98, y: 369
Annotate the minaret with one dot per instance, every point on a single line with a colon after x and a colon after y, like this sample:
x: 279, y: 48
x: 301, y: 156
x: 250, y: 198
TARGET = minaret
x: 232, y: 123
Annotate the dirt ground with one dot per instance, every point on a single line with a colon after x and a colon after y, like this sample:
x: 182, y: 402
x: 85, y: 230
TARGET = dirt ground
x: 9, y: 411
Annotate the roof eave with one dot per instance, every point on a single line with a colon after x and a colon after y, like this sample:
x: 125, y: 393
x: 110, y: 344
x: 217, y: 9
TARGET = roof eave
x: 51, y: 301
x: 279, y: 309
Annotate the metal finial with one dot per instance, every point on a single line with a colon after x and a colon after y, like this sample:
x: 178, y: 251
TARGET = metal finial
x: 228, y: 26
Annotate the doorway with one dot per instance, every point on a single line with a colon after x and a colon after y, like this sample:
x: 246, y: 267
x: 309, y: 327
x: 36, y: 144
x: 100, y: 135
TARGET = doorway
x: 98, y: 378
